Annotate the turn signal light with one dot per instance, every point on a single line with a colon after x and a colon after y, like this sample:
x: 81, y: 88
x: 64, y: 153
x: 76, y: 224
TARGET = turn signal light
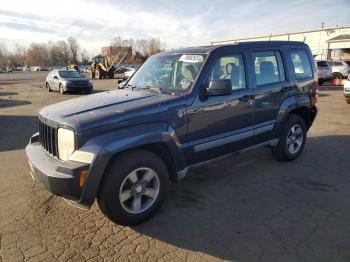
x: 83, y: 175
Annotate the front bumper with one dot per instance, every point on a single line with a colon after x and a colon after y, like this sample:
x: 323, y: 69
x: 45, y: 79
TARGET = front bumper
x: 325, y: 78
x: 61, y: 178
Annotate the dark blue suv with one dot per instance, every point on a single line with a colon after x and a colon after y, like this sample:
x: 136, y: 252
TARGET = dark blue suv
x: 180, y: 110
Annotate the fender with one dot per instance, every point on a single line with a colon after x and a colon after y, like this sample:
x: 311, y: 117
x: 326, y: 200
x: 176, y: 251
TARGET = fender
x: 106, y: 146
x: 288, y: 105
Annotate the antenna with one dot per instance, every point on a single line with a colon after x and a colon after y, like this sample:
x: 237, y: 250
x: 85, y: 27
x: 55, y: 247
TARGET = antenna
x: 270, y: 37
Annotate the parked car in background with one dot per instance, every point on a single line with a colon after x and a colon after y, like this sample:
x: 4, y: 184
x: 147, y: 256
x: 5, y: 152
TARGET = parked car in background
x: 340, y: 68
x: 324, y: 71
x: 64, y: 81
x: 128, y: 73
x: 84, y: 70
x: 125, y: 72
x: 181, y: 109
x: 347, y: 90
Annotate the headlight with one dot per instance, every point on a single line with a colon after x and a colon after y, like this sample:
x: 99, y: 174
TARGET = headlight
x: 65, y: 82
x: 66, y: 143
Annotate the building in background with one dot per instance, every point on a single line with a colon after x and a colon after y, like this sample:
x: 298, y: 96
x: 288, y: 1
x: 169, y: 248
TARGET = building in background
x: 326, y: 43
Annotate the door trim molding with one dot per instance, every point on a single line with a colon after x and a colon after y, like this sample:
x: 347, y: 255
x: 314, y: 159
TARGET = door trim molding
x: 236, y: 136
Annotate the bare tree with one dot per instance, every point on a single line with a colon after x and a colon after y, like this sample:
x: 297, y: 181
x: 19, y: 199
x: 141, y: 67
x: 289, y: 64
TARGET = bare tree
x: 3, y: 55
x: 63, y: 52
x: 153, y: 46
x: 38, y: 55
x: 19, y: 55
x: 141, y: 46
x: 84, y: 57
x: 73, y: 48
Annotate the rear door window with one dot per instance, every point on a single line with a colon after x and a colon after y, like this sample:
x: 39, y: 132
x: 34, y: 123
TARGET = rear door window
x: 268, y: 67
x: 301, y: 64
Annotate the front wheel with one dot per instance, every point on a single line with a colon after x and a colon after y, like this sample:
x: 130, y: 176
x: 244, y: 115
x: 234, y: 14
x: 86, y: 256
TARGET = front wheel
x: 61, y: 90
x: 133, y: 188
x: 347, y: 99
x: 48, y: 87
x: 292, y: 139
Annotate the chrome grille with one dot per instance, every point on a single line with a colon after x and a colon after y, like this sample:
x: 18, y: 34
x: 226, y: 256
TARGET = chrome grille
x: 48, y: 138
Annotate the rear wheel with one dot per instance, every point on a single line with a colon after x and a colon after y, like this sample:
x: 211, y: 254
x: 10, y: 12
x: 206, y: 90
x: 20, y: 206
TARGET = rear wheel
x: 92, y: 74
x: 111, y: 74
x: 292, y: 139
x: 347, y: 100
x: 133, y: 188
x: 337, y: 76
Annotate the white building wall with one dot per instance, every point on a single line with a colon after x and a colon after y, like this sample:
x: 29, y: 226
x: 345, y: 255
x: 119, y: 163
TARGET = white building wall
x: 317, y: 39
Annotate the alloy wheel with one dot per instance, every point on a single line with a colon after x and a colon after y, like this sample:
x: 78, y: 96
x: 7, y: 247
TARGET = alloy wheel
x: 295, y: 139
x: 139, y: 190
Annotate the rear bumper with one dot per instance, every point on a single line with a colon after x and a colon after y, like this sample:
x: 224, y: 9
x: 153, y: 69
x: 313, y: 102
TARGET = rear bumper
x: 324, y: 79
x: 312, y: 115
x: 60, y: 178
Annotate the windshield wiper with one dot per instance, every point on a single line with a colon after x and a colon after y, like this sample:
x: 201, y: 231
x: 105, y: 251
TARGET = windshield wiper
x: 129, y: 86
x: 152, y: 88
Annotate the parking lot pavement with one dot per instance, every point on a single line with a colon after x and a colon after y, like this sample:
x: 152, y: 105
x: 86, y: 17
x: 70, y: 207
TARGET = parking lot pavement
x: 247, y: 208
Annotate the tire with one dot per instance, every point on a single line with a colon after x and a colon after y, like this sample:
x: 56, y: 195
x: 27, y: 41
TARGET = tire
x: 283, y: 151
x: 347, y: 100
x: 111, y: 74
x: 61, y: 90
x: 337, y: 76
x: 92, y: 74
x: 117, y: 179
x: 48, y: 87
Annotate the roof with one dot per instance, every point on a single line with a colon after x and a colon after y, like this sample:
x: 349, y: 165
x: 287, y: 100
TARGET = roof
x: 208, y: 49
x: 340, y: 38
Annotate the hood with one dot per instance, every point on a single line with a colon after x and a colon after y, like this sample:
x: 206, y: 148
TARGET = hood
x: 105, y: 108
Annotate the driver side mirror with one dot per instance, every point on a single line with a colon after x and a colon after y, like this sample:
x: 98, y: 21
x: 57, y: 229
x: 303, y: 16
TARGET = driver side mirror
x: 220, y: 87
x: 55, y: 77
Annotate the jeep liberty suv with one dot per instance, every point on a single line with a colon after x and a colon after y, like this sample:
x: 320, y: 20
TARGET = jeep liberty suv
x: 181, y: 109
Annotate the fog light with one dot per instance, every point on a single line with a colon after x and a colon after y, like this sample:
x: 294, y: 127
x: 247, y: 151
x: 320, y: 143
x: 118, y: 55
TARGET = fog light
x: 82, y: 156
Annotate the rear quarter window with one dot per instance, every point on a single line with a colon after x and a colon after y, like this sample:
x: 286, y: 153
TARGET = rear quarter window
x: 301, y: 64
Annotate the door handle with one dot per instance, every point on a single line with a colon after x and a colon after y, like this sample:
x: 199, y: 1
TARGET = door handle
x: 246, y: 98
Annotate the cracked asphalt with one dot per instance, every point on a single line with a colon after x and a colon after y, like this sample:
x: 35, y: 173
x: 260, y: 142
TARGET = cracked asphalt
x: 247, y: 208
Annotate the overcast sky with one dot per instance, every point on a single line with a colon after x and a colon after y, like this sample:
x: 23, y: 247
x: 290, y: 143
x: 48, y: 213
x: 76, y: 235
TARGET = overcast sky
x: 178, y: 23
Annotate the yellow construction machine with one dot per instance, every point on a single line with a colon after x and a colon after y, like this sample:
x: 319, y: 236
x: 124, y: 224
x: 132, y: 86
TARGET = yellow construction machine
x: 100, y: 68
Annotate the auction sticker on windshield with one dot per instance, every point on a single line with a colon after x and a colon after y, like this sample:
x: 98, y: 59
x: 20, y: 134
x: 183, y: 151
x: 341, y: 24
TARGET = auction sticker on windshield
x: 191, y: 58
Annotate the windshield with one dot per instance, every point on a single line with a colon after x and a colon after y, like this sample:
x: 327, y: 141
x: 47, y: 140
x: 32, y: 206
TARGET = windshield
x: 70, y: 74
x: 175, y: 72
